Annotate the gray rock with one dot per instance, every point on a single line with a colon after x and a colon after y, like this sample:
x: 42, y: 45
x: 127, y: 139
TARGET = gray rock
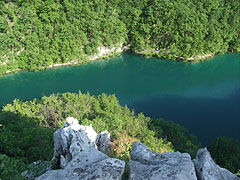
x: 88, y: 165
x: 102, y: 141
x: 147, y: 165
x: 107, y: 169
x: 74, y: 146
x: 207, y: 169
x: 72, y: 139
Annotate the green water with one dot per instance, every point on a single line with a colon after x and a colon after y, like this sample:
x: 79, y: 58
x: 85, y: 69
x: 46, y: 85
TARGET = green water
x: 204, y: 97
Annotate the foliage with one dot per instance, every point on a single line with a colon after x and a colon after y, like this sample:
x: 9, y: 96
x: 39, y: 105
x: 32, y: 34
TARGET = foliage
x: 28, y: 127
x: 238, y: 173
x: 187, y: 28
x: 38, y: 33
x: 122, y: 145
x: 38, y: 168
x: 180, y: 138
x: 226, y: 152
x: 11, y: 168
x: 121, y: 148
x: 21, y: 136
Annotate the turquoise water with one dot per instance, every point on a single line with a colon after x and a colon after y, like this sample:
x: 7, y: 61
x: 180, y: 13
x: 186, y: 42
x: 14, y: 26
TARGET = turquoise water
x: 203, y: 97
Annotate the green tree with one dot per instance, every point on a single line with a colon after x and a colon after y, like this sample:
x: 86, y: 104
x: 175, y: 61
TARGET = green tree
x: 226, y: 152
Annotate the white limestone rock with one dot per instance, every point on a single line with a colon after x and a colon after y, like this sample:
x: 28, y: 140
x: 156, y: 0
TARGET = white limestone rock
x: 72, y: 139
x: 147, y: 165
x: 106, y: 51
x: 103, y: 141
x: 107, y: 169
x: 87, y: 165
x: 207, y: 169
x: 74, y: 146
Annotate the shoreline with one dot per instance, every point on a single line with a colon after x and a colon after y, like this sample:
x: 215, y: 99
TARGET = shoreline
x: 105, y: 53
x: 192, y: 59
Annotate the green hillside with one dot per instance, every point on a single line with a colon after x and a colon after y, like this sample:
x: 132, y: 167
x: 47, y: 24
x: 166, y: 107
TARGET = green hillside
x: 37, y: 33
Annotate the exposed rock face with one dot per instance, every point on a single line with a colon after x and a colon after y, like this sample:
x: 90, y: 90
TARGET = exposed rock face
x: 207, y: 169
x: 75, y: 147
x: 71, y: 140
x: 88, y: 165
x: 102, y: 141
x: 105, y: 51
x: 78, y: 150
x: 148, y: 165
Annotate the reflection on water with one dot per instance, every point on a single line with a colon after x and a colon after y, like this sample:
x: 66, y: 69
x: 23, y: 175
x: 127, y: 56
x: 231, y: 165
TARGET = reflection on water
x: 204, y: 97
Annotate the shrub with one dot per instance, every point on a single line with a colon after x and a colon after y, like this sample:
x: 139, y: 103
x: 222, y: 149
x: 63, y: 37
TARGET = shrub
x: 226, y: 152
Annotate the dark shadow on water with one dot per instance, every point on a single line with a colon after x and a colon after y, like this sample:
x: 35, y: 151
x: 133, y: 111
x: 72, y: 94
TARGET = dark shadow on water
x: 204, y: 117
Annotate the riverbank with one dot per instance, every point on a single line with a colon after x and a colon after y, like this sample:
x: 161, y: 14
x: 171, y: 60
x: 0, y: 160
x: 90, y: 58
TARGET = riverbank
x: 165, y: 55
x: 106, y: 52
x: 103, y: 53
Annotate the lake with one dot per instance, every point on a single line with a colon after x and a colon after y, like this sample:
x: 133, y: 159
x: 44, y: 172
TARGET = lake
x: 203, y: 97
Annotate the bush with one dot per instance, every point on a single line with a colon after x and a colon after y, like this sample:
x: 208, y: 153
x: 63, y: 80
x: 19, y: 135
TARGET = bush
x: 28, y: 127
x: 21, y: 136
x: 226, y: 153
x: 11, y: 168
x: 180, y: 138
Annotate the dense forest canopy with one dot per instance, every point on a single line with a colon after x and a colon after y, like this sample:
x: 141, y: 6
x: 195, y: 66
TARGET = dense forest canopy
x: 37, y: 33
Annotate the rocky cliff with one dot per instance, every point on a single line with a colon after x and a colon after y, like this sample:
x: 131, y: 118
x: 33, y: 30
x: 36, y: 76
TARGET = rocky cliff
x: 79, y: 153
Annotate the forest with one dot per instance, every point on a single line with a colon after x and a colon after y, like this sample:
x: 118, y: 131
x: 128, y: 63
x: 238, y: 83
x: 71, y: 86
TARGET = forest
x: 26, y: 131
x: 37, y: 33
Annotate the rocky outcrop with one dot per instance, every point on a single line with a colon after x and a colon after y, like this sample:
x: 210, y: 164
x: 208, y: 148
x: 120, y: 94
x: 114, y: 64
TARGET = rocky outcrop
x: 88, y: 165
x: 72, y: 139
x: 106, y: 51
x: 145, y: 164
x: 77, y: 153
x: 207, y: 169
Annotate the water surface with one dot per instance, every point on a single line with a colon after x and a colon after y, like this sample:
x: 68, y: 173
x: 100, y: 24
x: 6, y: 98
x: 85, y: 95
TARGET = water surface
x: 203, y: 97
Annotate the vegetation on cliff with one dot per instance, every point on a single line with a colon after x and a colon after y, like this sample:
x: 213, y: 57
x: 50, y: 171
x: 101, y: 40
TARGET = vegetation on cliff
x: 35, y: 34
x: 26, y: 131
x: 27, y: 127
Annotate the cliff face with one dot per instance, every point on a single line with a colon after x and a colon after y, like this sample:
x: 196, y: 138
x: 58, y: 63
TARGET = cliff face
x: 77, y: 150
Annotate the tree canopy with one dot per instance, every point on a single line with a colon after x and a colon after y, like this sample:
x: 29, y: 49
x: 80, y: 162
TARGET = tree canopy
x: 35, y: 34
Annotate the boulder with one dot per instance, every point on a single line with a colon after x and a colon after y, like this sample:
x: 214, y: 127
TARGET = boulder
x: 145, y: 164
x: 75, y: 147
x: 207, y: 169
x: 103, y: 141
x: 72, y: 139
x: 88, y: 165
